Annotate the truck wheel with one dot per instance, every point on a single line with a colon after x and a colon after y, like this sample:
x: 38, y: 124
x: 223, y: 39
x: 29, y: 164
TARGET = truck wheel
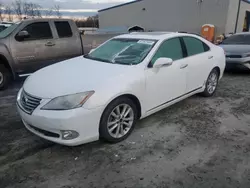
x: 4, y: 77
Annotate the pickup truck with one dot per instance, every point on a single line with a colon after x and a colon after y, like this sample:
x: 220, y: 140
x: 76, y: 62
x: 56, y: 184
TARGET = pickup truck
x: 32, y: 44
x: 4, y: 25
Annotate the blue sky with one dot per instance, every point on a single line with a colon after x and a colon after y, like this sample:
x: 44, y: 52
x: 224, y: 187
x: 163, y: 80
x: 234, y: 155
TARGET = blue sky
x: 76, y: 7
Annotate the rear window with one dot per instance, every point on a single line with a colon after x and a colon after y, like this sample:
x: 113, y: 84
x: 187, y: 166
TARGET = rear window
x: 63, y: 29
x: 194, y: 46
x: 206, y: 47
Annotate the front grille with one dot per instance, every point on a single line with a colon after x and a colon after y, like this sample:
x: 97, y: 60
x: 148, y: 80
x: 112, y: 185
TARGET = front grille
x: 234, y: 56
x: 45, y: 133
x: 29, y: 103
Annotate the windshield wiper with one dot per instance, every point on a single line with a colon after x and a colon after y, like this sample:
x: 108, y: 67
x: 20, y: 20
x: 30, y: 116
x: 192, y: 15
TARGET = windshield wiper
x: 122, y: 63
x: 97, y: 59
x: 107, y: 61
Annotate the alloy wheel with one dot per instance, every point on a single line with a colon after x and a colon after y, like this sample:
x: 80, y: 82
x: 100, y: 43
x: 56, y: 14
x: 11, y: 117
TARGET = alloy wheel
x: 212, y: 82
x: 1, y: 78
x: 120, y: 120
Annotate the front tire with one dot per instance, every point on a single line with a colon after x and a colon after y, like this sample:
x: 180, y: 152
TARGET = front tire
x: 118, y: 120
x: 4, y: 77
x: 211, y: 84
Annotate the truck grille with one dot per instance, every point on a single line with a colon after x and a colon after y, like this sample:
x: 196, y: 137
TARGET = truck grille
x: 29, y: 103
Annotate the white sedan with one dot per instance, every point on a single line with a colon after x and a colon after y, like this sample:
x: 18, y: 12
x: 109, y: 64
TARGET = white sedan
x: 129, y: 77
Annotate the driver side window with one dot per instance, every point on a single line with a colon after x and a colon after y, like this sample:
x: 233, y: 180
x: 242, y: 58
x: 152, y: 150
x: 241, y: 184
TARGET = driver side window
x: 38, y: 31
x: 170, y: 49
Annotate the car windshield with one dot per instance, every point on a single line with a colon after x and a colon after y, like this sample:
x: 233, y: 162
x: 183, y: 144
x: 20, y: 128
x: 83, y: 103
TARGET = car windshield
x: 2, y: 27
x: 242, y: 39
x: 8, y: 30
x: 122, y: 51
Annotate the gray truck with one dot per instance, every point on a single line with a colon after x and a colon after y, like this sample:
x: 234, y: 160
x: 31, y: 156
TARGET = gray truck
x: 32, y: 44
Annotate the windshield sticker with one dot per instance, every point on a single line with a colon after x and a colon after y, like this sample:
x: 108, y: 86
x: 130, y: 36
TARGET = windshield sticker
x: 148, y: 42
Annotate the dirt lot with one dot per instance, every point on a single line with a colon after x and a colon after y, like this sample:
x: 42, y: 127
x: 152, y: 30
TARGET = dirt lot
x: 197, y: 143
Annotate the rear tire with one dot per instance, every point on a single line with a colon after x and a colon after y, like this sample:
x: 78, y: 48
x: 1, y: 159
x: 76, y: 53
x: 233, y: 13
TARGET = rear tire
x: 4, y: 77
x: 211, y: 84
x: 118, y: 120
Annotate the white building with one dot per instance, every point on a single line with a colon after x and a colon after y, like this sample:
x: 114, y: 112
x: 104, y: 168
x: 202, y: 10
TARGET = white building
x: 178, y: 15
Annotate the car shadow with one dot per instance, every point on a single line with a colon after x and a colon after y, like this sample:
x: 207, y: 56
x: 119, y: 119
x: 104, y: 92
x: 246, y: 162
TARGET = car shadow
x: 237, y: 72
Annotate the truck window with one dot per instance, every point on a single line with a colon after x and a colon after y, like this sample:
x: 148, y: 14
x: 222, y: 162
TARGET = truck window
x: 38, y: 31
x: 63, y: 29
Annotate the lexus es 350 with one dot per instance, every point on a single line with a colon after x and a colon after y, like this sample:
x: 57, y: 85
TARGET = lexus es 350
x: 104, y: 93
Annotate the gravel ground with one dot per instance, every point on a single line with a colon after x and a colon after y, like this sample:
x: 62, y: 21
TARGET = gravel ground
x: 197, y: 143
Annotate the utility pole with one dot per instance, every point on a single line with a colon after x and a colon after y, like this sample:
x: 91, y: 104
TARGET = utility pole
x: 237, y: 17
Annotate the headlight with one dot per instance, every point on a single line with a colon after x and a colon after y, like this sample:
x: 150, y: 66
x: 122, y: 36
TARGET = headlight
x: 246, y: 55
x: 19, y: 94
x: 68, y: 102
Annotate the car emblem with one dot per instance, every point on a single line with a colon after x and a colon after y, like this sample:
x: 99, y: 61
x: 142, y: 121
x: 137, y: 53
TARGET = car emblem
x: 26, y: 99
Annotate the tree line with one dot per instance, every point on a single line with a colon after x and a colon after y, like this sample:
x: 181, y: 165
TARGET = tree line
x: 22, y: 9
x: 91, y: 21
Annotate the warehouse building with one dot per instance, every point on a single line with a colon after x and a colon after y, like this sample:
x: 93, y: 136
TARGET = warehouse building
x: 178, y: 15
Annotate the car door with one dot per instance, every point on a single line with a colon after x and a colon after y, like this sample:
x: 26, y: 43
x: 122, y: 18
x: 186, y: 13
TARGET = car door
x: 35, y: 51
x: 198, y: 60
x: 68, y: 43
x: 166, y: 83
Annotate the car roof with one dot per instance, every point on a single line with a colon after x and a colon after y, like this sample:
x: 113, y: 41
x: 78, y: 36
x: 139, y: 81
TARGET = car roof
x: 6, y: 25
x: 6, y: 22
x: 45, y: 19
x: 154, y: 35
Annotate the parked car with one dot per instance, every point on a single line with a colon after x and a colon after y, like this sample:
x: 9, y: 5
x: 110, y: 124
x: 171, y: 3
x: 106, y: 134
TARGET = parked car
x: 129, y: 77
x: 237, y: 50
x: 35, y: 43
x: 5, y: 25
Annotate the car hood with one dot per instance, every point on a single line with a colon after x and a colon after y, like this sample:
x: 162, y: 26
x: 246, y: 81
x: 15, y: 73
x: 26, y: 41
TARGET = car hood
x: 236, y: 49
x: 72, y: 76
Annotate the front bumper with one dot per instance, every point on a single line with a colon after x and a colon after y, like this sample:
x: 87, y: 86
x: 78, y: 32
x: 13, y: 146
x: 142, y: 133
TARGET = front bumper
x: 49, y: 124
x: 238, y: 62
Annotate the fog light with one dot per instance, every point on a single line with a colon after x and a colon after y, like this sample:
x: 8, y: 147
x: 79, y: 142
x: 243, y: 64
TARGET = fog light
x: 69, y: 135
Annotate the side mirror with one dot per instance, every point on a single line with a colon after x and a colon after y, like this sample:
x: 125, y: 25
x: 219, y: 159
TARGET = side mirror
x: 22, y: 35
x: 162, y: 62
x: 81, y: 32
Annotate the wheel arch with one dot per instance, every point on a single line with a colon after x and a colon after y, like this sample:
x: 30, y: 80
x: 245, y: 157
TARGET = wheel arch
x: 218, y: 70
x: 131, y: 97
x: 5, y: 62
x: 136, y: 101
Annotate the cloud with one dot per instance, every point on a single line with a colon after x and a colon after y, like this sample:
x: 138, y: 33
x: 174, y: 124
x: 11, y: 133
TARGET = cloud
x: 73, y: 7
x: 61, y: 1
x: 104, y: 1
x: 74, y: 4
x: 79, y: 10
x: 75, y: 10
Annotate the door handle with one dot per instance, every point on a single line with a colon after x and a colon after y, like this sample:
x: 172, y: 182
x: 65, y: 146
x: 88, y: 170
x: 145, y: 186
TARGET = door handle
x: 50, y: 44
x: 210, y: 57
x: 184, y: 66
